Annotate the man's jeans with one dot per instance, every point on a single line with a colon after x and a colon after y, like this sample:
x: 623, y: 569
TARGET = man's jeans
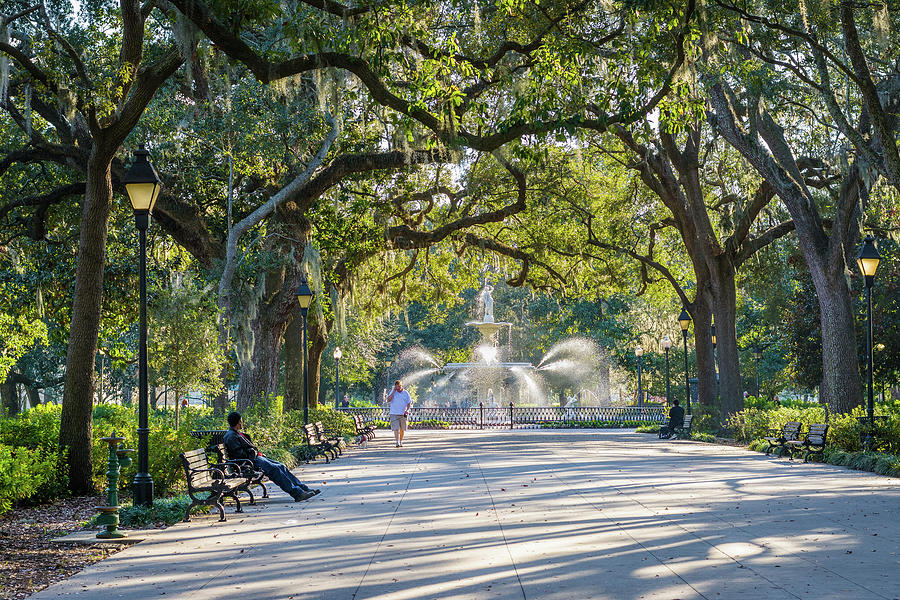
x: 280, y: 475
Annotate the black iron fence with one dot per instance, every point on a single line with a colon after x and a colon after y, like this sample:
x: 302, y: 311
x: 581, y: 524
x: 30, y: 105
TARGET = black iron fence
x: 520, y: 417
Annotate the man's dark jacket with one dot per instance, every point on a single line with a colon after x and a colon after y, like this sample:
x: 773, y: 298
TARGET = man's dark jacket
x: 676, y: 417
x: 239, y: 445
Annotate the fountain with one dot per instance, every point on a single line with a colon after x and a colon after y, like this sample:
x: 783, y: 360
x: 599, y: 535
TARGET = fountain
x: 491, y: 381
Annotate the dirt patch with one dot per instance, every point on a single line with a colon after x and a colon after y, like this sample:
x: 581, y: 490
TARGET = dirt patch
x: 30, y: 561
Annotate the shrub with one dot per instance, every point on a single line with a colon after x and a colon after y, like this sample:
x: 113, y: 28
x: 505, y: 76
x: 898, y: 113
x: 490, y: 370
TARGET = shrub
x: 699, y: 436
x: 34, y: 428
x: 29, y: 474
x: 164, y: 510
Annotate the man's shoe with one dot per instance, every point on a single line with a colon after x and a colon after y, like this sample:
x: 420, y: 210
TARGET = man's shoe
x: 304, y: 496
x: 316, y: 492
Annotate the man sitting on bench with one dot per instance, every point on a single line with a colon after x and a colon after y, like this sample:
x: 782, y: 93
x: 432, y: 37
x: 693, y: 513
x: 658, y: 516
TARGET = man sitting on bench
x: 240, y: 446
x: 676, y: 419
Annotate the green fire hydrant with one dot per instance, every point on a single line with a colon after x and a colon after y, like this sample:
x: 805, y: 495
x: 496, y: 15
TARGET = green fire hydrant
x: 109, y: 514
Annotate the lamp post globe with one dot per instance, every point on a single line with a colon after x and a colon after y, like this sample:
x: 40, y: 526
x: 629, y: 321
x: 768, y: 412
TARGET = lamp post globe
x: 684, y: 320
x: 142, y: 184
x: 868, y: 260
x: 304, y: 298
x: 337, y: 376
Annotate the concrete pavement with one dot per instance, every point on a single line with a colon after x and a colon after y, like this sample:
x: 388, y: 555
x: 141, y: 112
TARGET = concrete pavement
x: 555, y: 514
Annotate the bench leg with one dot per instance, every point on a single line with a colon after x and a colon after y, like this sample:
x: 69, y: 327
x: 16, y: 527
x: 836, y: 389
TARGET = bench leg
x: 250, y: 493
x: 265, y: 492
x: 221, y: 510
x: 237, y: 501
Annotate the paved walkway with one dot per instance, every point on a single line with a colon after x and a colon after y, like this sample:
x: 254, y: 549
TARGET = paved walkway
x: 533, y: 515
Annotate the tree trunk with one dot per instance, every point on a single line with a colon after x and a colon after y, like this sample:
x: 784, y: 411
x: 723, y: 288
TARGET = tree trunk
x: 701, y: 315
x: 840, y: 388
x: 318, y: 340
x: 76, y: 420
x: 259, y: 379
x: 10, y: 399
x: 293, y: 362
x: 731, y: 398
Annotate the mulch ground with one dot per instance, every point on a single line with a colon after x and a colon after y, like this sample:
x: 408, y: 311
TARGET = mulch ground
x: 30, y: 561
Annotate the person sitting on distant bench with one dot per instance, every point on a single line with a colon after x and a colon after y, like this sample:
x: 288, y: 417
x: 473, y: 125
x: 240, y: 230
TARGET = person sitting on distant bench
x: 676, y: 419
x: 240, y: 446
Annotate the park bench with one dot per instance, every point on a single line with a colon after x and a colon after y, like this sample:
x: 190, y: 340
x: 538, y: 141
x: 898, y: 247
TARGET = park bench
x: 240, y: 468
x: 335, y: 439
x: 812, y: 443
x: 363, y: 430
x: 790, y: 432
x: 317, y: 447
x: 680, y: 433
x: 208, y: 486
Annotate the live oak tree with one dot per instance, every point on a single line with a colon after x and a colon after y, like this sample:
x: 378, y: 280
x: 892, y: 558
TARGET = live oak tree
x: 91, y: 99
x: 772, y: 121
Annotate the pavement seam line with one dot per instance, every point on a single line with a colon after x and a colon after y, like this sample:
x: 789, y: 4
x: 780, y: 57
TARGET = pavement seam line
x: 387, y: 528
x: 512, y: 560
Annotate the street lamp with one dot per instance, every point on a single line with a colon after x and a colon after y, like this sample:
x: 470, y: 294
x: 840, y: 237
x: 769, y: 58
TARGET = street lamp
x: 757, y: 353
x: 639, y: 352
x: 868, y: 260
x: 667, y: 344
x: 684, y: 319
x: 304, y: 298
x: 142, y: 184
x: 337, y: 375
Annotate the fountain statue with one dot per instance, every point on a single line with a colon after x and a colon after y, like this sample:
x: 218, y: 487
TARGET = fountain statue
x: 488, y: 300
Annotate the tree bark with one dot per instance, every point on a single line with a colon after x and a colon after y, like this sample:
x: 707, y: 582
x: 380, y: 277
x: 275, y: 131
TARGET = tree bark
x: 318, y: 340
x: 293, y: 362
x: 10, y: 398
x: 259, y: 378
x: 76, y: 420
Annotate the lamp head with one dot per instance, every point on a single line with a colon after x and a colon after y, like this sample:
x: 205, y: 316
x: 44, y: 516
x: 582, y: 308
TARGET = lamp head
x: 868, y: 260
x: 142, y: 183
x: 337, y: 353
x: 304, y: 294
x: 684, y: 319
x: 638, y: 351
x: 666, y: 342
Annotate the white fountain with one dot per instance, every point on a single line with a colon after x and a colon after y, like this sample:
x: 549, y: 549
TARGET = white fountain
x: 489, y: 371
x: 490, y: 380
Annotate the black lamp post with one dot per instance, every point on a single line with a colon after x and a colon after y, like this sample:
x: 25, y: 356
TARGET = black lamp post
x: 868, y: 260
x: 667, y: 344
x: 337, y: 376
x: 142, y: 185
x: 304, y: 298
x: 684, y: 319
x: 757, y: 353
x: 639, y: 352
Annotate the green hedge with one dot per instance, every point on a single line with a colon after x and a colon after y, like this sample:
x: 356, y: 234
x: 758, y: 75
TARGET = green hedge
x: 843, y: 429
x: 36, y: 473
